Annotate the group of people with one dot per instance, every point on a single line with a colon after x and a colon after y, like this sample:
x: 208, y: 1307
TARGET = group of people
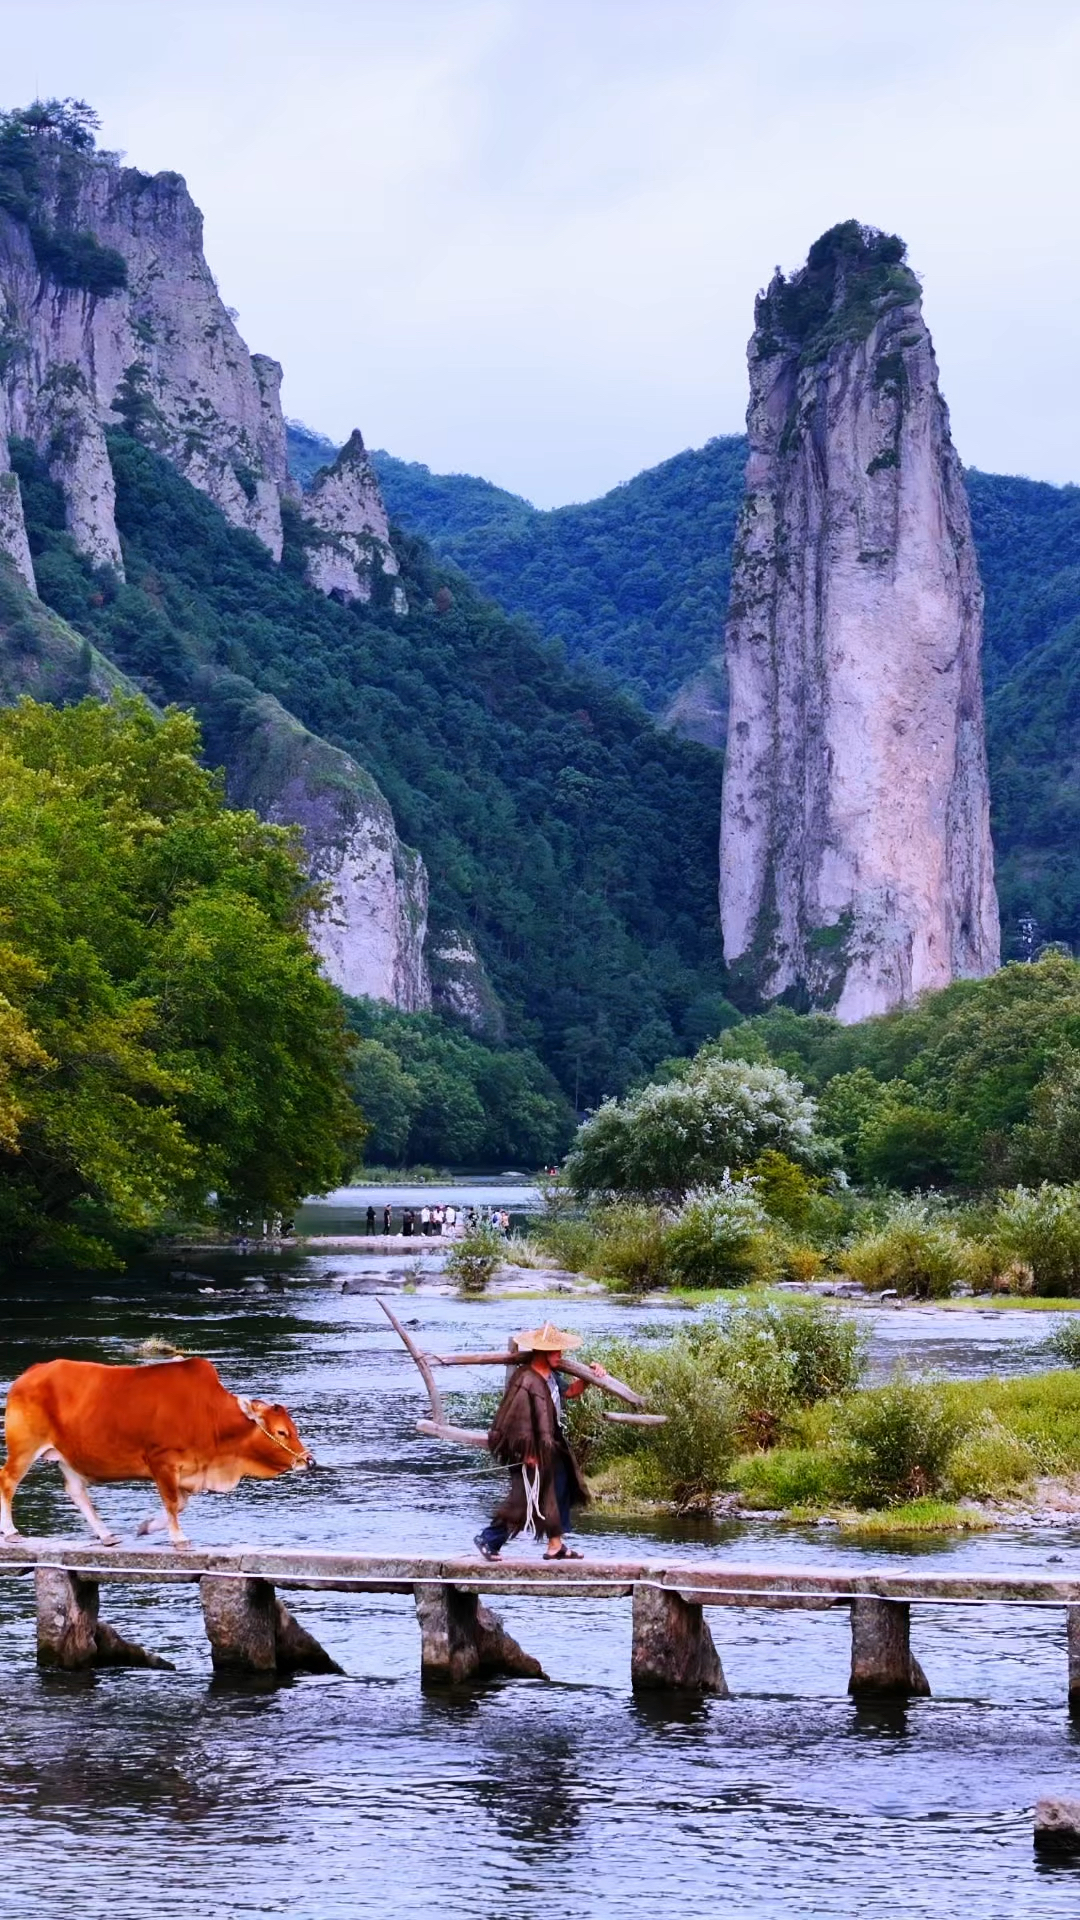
x: 442, y: 1218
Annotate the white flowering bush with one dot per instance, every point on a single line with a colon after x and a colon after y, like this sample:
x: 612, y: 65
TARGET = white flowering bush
x: 678, y: 1135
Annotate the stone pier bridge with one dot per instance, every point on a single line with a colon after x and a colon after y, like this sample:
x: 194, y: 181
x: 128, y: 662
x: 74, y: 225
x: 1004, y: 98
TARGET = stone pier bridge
x: 251, y: 1631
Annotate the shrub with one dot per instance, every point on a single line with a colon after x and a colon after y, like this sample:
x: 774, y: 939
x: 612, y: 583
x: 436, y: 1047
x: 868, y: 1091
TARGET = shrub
x: 718, y: 1238
x: 688, y: 1459
x: 785, y: 1190
x: 630, y: 1247
x: 787, y: 1477
x: 801, y: 1262
x: 990, y: 1460
x: 474, y: 1259
x: 687, y: 1132
x: 897, y: 1442
x: 570, y: 1243
x: 1040, y: 1227
x: 915, y: 1251
x: 1065, y: 1342
x: 782, y: 1356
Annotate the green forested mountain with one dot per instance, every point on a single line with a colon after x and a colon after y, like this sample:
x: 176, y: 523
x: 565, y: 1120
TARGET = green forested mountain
x: 637, y: 582
x: 1028, y: 537
x: 575, y: 840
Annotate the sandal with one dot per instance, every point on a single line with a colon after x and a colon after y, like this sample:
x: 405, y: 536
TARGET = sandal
x: 565, y: 1553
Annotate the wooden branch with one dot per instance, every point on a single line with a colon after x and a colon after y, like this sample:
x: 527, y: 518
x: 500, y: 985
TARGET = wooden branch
x: 438, y: 1411
x: 462, y: 1436
x: 606, y: 1382
x: 636, y: 1419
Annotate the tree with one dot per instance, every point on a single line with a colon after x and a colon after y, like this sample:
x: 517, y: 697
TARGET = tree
x: 165, y: 1033
x: 715, y: 1118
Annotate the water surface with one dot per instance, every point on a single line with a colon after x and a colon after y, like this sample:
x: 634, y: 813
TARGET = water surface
x: 128, y: 1794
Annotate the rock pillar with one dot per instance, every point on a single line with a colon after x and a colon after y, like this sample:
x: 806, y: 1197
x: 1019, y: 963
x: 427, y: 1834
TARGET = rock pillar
x: 461, y: 1640
x: 251, y: 1631
x: 1057, y: 1827
x: 881, y: 1658
x: 240, y: 1624
x: 856, y: 867
x: 70, y: 1635
x: 672, y: 1646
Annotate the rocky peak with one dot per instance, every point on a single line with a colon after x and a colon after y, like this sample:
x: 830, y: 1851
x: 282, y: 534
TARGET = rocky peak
x: 348, y: 534
x: 110, y: 316
x: 856, y: 863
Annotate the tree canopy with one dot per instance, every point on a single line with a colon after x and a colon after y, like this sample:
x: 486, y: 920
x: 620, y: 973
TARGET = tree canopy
x: 974, y: 1085
x: 165, y: 1034
x: 715, y: 1116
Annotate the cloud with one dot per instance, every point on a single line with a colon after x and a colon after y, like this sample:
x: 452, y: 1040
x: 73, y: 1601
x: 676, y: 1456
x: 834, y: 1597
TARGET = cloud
x: 522, y: 237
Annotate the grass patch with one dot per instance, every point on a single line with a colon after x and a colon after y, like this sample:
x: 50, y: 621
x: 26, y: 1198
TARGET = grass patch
x: 1009, y: 1303
x: 916, y: 1516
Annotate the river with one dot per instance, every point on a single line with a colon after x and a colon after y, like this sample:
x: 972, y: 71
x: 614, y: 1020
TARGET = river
x: 124, y: 1794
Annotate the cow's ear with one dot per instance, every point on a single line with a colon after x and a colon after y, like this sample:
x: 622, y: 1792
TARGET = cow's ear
x: 246, y: 1406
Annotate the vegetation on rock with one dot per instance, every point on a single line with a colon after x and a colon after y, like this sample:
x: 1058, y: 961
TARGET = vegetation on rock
x: 45, y: 144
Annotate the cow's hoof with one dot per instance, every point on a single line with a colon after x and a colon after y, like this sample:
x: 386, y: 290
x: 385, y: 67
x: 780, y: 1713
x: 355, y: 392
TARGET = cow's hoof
x: 180, y: 1541
x: 11, y: 1533
x: 109, y: 1539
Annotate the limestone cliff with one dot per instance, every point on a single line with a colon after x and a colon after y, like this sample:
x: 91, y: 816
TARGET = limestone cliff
x: 371, y: 937
x: 110, y: 316
x: 460, y: 985
x: 348, y: 542
x: 856, y: 863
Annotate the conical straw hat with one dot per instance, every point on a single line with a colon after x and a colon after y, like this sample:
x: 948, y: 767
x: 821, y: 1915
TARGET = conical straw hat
x: 546, y: 1339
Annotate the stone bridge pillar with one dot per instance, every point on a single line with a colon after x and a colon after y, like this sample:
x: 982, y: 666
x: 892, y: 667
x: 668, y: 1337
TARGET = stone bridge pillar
x: 251, y: 1631
x: 461, y: 1640
x: 672, y: 1646
x: 881, y: 1658
x: 70, y: 1634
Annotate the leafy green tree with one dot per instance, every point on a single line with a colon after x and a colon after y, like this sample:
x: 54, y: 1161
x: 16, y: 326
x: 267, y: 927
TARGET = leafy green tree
x: 973, y: 1085
x: 165, y: 1033
x: 433, y: 1094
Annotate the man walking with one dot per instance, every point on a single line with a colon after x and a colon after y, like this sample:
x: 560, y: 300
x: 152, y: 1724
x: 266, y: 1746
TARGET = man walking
x: 527, y: 1435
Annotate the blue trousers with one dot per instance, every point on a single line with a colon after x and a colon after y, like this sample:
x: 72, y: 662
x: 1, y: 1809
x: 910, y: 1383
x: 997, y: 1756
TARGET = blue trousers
x: 496, y: 1534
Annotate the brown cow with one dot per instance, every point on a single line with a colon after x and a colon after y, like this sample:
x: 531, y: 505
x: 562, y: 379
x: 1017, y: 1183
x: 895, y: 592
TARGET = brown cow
x: 172, y: 1423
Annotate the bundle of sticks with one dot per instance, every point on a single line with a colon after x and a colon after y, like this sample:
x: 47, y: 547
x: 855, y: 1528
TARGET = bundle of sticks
x: 440, y: 1428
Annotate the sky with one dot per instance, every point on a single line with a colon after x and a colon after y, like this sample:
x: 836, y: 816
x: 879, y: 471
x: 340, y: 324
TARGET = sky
x: 522, y: 238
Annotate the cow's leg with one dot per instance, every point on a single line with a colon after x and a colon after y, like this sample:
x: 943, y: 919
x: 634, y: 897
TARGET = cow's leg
x: 24, y: 1446
x: 167, y: 1482
x: 79, y: 1493
x: 158, y: 1522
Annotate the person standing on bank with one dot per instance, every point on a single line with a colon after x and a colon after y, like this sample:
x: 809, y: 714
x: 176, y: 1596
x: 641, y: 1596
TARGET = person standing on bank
x: 527, y: 1435
x: 371, y: 1219
x: 386, y: 1219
